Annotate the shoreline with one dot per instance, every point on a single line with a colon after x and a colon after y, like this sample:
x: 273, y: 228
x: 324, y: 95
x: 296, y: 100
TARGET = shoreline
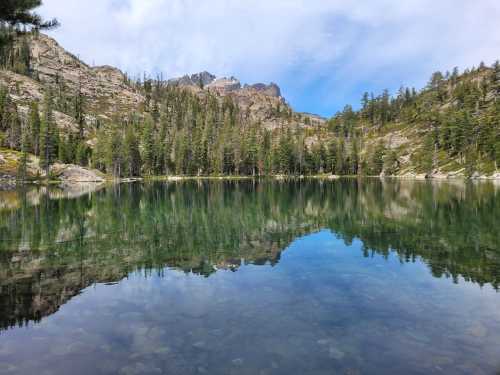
x: 7, y: 183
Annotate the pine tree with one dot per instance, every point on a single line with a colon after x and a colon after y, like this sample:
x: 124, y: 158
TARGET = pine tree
x: 81, y: 153
x: 132, y: 156
x: 497, y: 153
x: 391, y: 163
x: 114, y: 153
x: 4, y: 107
x: 331, y: 159
x: 265, y: 157
x: 34, y: 128
x: 252, y: 151
x: 495, y: 80
x: 340, y: 162
x: 376, y: 163
x: 147, y: 144
x: 365, y: 101
x: 79, y: 109
x: 15, y: 12
x: 22, y: 171
x: 199, y: 147
x: 470, y: 162
x: 47, y: 139
x: 425, y: 157
x: 15, y: 133
x: 63, y: 154
x: 354, y: 157
x: 99, y: 151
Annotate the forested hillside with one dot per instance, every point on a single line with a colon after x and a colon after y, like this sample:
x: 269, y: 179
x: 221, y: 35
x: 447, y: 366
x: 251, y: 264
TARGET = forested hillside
x: 56, y: 109
x: 451, y: 126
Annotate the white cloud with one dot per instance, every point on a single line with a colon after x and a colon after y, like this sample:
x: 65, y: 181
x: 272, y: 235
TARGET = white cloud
x: 293, y: 42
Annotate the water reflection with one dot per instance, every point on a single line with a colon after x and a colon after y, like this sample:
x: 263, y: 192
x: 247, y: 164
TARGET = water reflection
x: 53, y: 247
x: 352, y: 276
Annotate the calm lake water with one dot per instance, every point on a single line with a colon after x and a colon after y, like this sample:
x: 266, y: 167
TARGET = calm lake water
x: 305, y: 277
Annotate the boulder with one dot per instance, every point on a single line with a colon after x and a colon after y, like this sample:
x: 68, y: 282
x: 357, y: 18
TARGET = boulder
x: 71, y: 173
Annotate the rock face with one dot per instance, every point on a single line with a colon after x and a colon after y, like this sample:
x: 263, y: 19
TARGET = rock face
x: 109, y: 94
x: 22, y: 90
x: 224, y: 86
x: 199, y: 79
x: 257, y: 102
x: 272, y: 89
x: 104, y: 87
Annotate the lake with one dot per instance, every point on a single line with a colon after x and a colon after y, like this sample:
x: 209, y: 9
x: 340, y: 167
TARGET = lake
x: 348, y: 276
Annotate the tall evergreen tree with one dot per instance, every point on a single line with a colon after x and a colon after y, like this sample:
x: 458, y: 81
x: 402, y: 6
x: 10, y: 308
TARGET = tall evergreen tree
x: 132, y: 157
x: 20, y: 12
x: 114, y: 153
x: 147, y: 144
x: 15, y: 133
x: 47, y: 139
x: 376, y: 163
x: 22, y: 171
x: 34, y: 128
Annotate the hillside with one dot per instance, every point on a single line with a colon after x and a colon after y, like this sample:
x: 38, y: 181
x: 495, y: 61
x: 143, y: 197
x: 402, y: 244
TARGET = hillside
x: 57, y: 110
x: 449, y: 128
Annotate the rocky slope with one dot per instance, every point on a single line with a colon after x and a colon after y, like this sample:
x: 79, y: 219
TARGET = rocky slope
x: 448, y: 129
x: 108, y: 92
x: 105, y: 88
x: 260, y: 102
x: 109, y: 96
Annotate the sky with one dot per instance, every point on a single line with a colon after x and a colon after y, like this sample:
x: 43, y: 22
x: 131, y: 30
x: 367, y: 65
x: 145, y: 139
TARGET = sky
x: 322, y: 53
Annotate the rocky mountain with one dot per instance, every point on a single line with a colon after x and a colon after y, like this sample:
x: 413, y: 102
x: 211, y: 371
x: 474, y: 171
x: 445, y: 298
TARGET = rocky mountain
x: 88, y: 99
x: 223, y: 85
x: 201, y: 124
x: 105, y: 88
x: 448, y: 129
x: 108, y: 92
x: 259, y: 100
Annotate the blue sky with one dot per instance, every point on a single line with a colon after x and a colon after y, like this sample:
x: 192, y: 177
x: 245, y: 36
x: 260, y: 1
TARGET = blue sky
x: 322, y: 53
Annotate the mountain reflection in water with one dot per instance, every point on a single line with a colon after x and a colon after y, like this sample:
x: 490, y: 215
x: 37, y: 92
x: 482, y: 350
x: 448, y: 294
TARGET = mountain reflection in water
x: 53, y: 248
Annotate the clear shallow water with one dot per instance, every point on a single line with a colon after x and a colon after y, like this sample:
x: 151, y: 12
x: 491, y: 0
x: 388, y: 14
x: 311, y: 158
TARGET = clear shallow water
x: 346, y: 277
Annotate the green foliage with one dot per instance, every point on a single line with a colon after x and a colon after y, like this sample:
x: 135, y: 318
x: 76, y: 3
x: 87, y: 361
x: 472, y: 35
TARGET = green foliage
x: 14, y: 129
x: 22, y: 169
x: 454, y: 122
x: 391, y: 163
x: 113, y: 153
x: 20, y: 12
x: 147, y: 144
x: 455, y: 114
x: 132, y: 157
x: 34, y: 125
x: 376, y: 160
x: 48, y: 135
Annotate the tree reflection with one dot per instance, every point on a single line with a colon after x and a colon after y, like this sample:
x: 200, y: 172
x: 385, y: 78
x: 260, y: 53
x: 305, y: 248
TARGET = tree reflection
x: 52, y: 247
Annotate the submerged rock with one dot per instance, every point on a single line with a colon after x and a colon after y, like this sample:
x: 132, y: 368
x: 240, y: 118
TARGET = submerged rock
x: 335, y: 353
x: 478, y: 330
x: 237, y: 361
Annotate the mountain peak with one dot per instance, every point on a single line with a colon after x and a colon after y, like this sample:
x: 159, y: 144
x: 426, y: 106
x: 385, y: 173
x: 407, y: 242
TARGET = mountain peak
x: 200, y: 79
x: 224, y: 85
